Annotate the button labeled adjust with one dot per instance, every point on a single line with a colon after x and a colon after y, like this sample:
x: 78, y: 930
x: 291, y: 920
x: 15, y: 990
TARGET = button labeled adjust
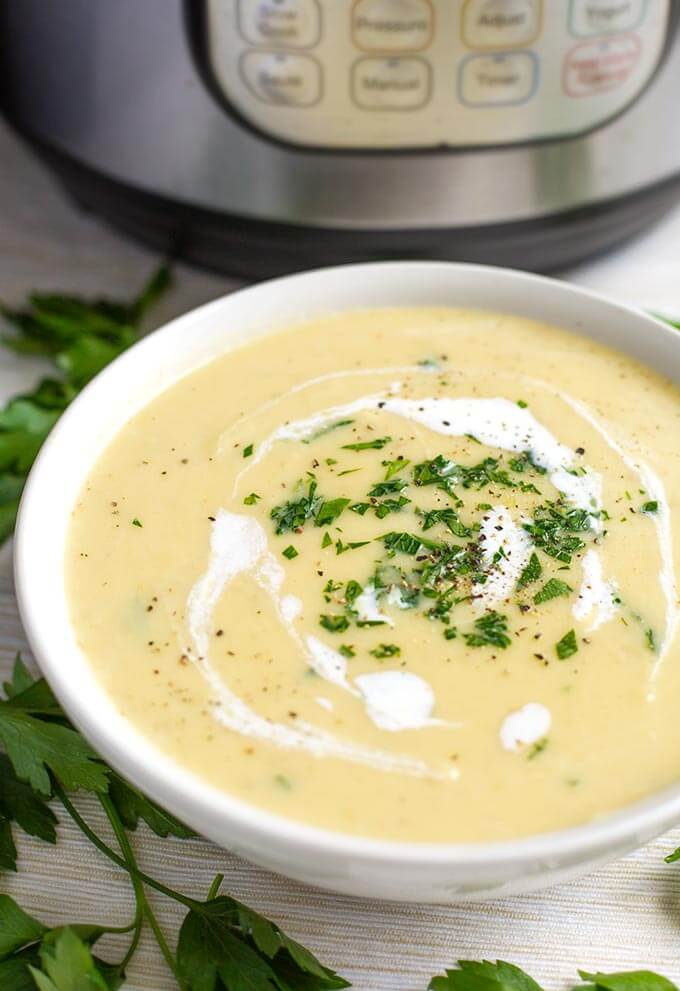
x: 498, y: 80
x: 391, y: 83
x: 288, y: 80
x: 392, y: 25
x: 501, y: 23
x: 588, y: 17
x: 291, y: 23
x: 597, y: 66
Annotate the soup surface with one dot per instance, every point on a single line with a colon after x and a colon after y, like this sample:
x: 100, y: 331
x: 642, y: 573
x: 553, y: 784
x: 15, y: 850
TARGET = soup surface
x: 402, y: 573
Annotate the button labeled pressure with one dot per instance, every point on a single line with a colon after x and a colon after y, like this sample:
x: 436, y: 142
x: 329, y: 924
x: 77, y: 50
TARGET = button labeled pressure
x: 392, y: 25
x: 391, y: 84
x: 498, y: 80
x: 287, y: 80
x: 289, y: 23
x: 597, y: 66
x: 501, y: 23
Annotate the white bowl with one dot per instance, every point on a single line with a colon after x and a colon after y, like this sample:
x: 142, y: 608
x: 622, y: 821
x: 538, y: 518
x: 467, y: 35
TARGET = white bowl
x: 404, y: 871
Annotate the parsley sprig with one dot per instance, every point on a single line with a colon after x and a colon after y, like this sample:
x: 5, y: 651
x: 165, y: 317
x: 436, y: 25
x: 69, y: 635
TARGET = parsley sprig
x: 222, y: 945
x: 79, y: 337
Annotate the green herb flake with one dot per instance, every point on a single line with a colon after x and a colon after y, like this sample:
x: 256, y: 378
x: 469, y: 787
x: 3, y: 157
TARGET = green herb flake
x: 450, y: 633
x: 293, y: 515
x: 347, y: 650
x: 650, y: 639
x: 322, y: 431
x: 553, y: 589
x: 650, y: 507
x: 248, y: 450
x: 290, y: 552
x: 326, y: 541
x: 283, y: 782
x: 537, y: 748
x: 368, y: 445
x: 384, y: 650
x: 252, y: 499
x: 490, y: 630
x: 330, y: 511
x: 137, y: 522
x: 394, y: 467
x: 333, y: 623
x: 567, y: 646
x: 531, y: 573
x: 522, y: 404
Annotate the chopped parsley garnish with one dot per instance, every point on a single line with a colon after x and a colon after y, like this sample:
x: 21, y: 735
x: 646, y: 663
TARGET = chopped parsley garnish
x: 329, y: 511
x: 391, y: 487
x: 394, y: 467
x: 491, y: 630
x: 447, y: 474
x: 290, y: 552
x: 450, y: 633
x: 450, y: 519
x: 537, y: 748
x: 385, y: 650
x: 327, y: 540
x: 347, y: 650
x: 522, y: 404
x: 552, y: 589
x: 137, y: 522
x: 567, y: 646
x: 531, y: 573
x: 554, y: 528
x: 248, y: 450
x: 352, y: 590
x: 293, y: 515
x: 333, y: 623
x: 650, y: 639
x: 341, y: 547
x: 650, y: 507
x: 368, y: 445
x: 407, y: 543
x: 251, y: 500
x: 525, y: 462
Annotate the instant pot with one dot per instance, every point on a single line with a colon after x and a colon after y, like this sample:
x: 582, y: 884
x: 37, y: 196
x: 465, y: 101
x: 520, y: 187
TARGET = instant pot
x: 264, y: 136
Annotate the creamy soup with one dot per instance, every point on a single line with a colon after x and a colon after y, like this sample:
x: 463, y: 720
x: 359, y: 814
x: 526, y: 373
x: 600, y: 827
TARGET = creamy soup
x: 403, y: 573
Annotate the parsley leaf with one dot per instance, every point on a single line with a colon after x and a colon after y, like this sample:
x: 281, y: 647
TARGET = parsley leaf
x: 368, y: 445
x: 330, y: 511
x: 449, y: 517
x: 333, y: 623
x: 552, y: 589
x: 223, y: 939
x: 567, y: 646
x: 132, y: 806
x: 635, y: 980
x: 35, y: 747
x: 531, y: 573
x: 293, y: 515
x: 491, y: 630
x: 385, y: 650
x: 484, y: 976
x: 17, y: 928
x: 68, y: 965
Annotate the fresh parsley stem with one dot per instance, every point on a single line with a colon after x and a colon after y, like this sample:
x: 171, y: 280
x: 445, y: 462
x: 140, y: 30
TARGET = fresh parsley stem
x: 140, y: 898
x: 215, y: 887
x: 113, y: 856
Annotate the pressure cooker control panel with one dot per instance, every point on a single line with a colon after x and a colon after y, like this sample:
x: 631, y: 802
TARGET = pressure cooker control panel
x: 390, y: 74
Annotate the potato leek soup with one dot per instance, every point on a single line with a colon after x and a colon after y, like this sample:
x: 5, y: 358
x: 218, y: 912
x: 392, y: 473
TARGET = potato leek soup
x: 402, y: 573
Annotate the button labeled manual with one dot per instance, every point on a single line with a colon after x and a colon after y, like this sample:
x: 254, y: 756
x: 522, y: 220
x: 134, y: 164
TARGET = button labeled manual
x: 501, y: 23
x: 497, y: 80
x: 289, y: 23
x: 288, y: 80
x: 392, y: 25
x: 391, y: 84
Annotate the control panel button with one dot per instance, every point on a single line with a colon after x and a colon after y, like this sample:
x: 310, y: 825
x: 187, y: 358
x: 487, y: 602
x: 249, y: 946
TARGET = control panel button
x: 597, y: 66
x: 497, y: 80
x: 284, y: 79
x: 392, y: 25
x: 501, y: 23
x: 391, y: 83
x: 588, y: 17
x: 290, y: 23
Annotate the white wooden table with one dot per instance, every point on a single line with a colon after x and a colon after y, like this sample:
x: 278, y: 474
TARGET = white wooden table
x: 625, y: 916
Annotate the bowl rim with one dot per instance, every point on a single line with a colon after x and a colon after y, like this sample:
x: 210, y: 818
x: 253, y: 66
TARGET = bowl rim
x: 186, y: 794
